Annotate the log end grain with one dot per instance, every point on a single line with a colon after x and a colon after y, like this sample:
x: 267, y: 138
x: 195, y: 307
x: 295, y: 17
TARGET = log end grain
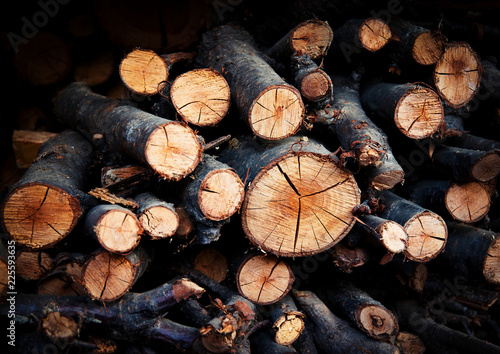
x: 427, y: 236
x: 486, y: 167
x: 316, y: 85
x: 38, y: 215
x: 393, y: 236
x: 201, y: 96
x: 428, y: 47
x: 159, y: 221
x: 289, y: 327
x: 491, y: 269
x: 277, y: 112
x: 457, y: 74
x: 221, y: 194
x: 173, y: 150
x: 419, y: 113
x: 467, y: 202
x: 117, y: 229
x: 4, y: 278
x: 387, y: 179
x: 26, y: 144
x: 64, y: 281
x: 59, y: 328
x: 33, y: 265
x: 311, y: 37
x: 264, y: 279
x: 186, y: 225
x: 374, y: 34
x: 108, y: 276
x: 142, y: 71
x: 410, y: 343
x: 377, y: 321
x: 212, y: 263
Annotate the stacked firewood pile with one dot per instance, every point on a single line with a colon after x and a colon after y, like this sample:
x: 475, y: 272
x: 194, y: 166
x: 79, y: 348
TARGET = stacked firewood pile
x: 332, y: 192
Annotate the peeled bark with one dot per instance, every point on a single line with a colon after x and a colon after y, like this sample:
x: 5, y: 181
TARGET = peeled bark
x: 171, y: 149
x: 272, y: 108
x: 47, y: 202
x: 299, y: 200
x: 427, y: 232
x: 416, y: 110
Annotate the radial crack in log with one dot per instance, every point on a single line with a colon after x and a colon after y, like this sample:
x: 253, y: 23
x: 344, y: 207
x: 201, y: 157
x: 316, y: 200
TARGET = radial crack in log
x: 142, y: 71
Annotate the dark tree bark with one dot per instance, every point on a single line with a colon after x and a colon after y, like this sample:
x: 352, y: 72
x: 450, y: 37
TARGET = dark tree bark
x: 47, y: 202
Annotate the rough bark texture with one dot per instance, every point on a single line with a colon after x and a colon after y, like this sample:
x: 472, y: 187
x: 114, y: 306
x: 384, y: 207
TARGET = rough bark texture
x: 116, y: 228
x: 272, y: 108
x: 416, y: 110
x: 355, y: 131
x: 313, y: 83
x: 299, y: 200
x: 333, y: 334
x: 386, y: 174
x: 263, y: 343
x: 46, y: 203
x: 387, y: 233
x: 466, y: 164
x: 360, y: 309
x: 427, y: 232
x: 473, y: 251
x: 171, y: 149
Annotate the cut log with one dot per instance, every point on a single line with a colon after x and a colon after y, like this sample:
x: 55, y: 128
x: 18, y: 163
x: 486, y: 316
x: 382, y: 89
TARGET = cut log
x: 466, y: 164
x: 4, y: 271
x: 313, y: 83
x: 427, y: 232
x: 416, y: 110
x: 108, y: 276
x: 421, y: 44
x: 299, y: 199
x: 347, y: 258
x: 287, y: 321
x: 43, y: 60
x: 65, y: 278
x: 157, y: 217
x: 143, y: 71
x: 26, y: 144
x: 312, y: 37
x: 356, y: 36
x: 264, y: 279
x: 386, y: 174
x: 59, y: 328
x: 473, y: 252
x: 360, y: 309
x: 263, y: 343
x: 124, y: 180
x: 457, y: 74
x: 212, y: 263
x: 411, y: 315
x: 214, y: 194
x: 186, y: 225
x: 355, y: 131
x: 46, y: 203
x: 201, y: 97
x: 410, y: 343
x: 305, y: 344
x: 272, y: 108
x: 116, y: 228
x: 171, y: 149
x: 465, y: 202
x: 389, y: 234
x: 33, y: 265
x: 333, y: 334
